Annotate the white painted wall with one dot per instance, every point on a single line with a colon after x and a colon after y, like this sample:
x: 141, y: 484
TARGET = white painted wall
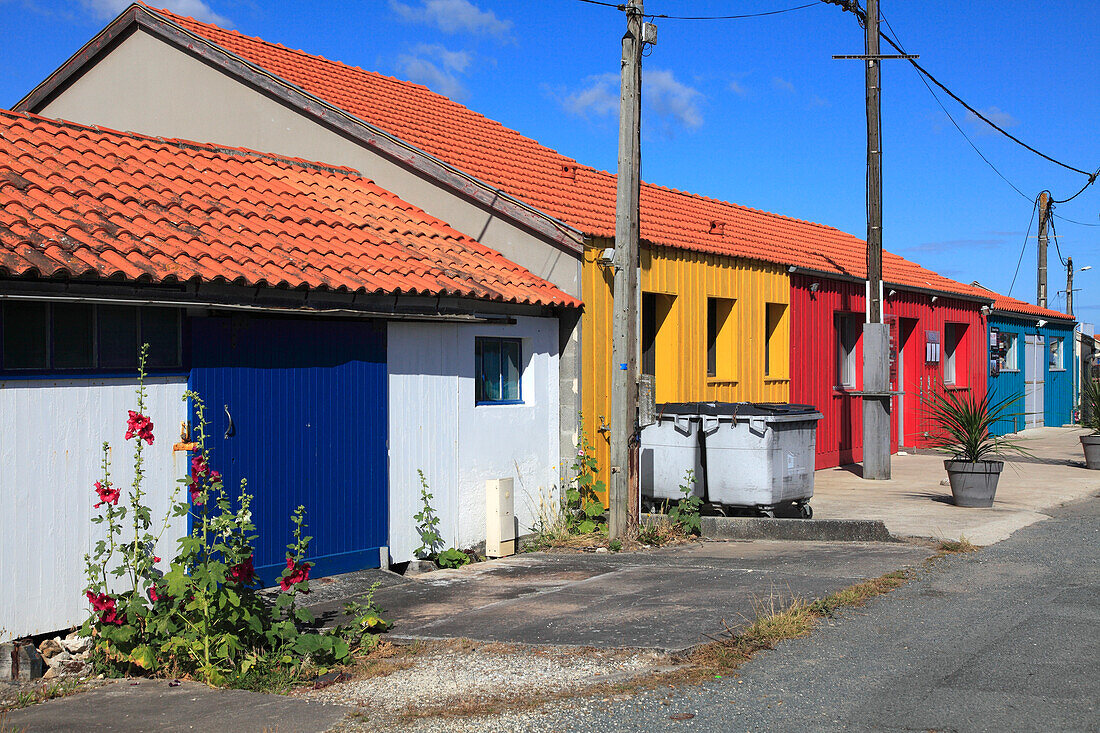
x: 51, y: 436
x: 435, y: 426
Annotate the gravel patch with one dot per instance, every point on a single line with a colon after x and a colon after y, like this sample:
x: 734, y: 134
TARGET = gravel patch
x: 491, y: 674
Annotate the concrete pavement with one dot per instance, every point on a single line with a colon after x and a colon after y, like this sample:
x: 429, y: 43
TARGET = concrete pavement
x: 152, y: 706
x: 668, y: 599
x: 1005, y: 639
x: 914, y: 504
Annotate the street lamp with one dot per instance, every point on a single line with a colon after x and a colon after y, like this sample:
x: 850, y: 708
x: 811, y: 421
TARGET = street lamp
x: 1069, y: 283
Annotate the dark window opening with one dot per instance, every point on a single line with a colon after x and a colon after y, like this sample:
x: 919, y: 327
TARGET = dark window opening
x: 78, y: 337
x: 649, y: 333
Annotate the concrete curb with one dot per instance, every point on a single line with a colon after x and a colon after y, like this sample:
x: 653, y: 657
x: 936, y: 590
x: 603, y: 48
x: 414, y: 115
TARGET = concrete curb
x: 764, y: 528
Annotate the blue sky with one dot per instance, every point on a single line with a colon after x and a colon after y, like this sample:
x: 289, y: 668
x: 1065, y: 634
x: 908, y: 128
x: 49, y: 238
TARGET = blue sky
x: 753, y: 111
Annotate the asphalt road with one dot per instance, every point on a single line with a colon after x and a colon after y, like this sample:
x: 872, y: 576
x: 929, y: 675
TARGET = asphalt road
x: 1004, y: 639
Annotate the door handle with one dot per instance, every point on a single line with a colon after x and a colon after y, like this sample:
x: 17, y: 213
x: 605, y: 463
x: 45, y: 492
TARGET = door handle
x: 229, y: 430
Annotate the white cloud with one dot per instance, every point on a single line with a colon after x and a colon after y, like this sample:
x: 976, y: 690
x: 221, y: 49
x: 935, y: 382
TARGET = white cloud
x: 738, y: 88
x: 436, y: 67
x: 672, y: 99
x: 995, y: 115
x: 662, y: 95
x: 455, y: 16
x: 196, y: 9
x: 599, y: 96
x: 782, y: 84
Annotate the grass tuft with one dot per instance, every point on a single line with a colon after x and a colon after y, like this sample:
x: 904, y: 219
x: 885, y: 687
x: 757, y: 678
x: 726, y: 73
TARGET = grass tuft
x: 46, y: 691
x: 950, y: 547
x: 773, y: 624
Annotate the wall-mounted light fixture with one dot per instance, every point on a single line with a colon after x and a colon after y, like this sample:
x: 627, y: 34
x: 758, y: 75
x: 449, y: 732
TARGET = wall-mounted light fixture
x: 791, y: 269
x: 607, y: 257
x: 985, y: 310
x: 1040, y: 323
x: 935, y: 298
x: 814, y: 287
x: 892, y: 293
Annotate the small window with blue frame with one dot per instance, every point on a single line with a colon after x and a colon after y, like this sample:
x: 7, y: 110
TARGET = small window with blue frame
x: 497, y: 371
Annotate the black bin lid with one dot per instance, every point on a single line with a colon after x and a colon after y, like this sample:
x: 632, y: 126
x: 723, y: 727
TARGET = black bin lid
x: 748, y: 409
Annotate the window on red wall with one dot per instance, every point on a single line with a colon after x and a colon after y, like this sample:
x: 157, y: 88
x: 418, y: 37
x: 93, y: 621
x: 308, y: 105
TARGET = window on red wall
x: 954, y: 354
x: 848, y: 328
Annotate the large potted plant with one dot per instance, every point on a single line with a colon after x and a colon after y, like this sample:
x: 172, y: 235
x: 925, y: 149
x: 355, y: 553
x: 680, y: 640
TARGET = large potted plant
x: 962, y: 423
x: 1090, y: 418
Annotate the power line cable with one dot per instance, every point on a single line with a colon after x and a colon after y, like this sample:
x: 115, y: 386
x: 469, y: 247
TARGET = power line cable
x: 956, y: 124
x: 663, y: 16
x: 861, y: 16
x: 1023, y: 248
x: 732, y: 17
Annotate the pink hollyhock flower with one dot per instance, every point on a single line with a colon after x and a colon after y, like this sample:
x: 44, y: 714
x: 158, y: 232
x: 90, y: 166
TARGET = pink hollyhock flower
x: 156, y: 559
x: 299, y: 573
x: 107, y: 494
x: 243, y: 572
x: 139, y: 425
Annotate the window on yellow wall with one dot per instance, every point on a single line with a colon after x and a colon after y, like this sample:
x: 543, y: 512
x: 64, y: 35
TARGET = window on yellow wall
x: 775, y: 341
x: 655, y: 336
x: 720, y: 338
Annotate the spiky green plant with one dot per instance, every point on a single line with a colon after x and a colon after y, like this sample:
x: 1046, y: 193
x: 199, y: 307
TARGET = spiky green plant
x: 1090, y: 405
x: 962, y: 423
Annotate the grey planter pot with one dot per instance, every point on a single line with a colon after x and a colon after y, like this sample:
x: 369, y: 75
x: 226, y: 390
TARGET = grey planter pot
x: 973, y: 484
x: 1091, y: 444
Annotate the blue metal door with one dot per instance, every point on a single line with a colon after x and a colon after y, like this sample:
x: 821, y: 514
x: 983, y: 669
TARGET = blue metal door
x: 298, y: 408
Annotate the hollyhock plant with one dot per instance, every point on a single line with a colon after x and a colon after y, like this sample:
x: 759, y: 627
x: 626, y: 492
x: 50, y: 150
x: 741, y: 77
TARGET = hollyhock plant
x: 202, y: 615
x: 139, y: 425
x: 107, y: 494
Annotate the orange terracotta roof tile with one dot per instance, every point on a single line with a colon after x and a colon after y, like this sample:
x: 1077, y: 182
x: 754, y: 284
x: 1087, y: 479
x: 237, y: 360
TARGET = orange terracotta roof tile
x: 1006, y: 304
x: 78, y: 200
x: 575, y: 194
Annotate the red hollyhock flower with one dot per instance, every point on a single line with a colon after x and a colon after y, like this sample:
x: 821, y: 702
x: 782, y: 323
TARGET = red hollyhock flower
x: 139, y: 425
x: 105, y: 605
x: 299, y: 573
x: 243, y: 572
x: 107, y: 494
x: 153, y: 594
x: 199, y: 469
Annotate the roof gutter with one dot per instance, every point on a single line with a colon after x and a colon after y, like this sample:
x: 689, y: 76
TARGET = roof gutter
x: 383, y: 142
x: 797, y: 270
x: 279, y: 310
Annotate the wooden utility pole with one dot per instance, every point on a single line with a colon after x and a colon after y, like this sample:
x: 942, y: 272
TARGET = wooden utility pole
x: 874, y: 167
x: 1069, y: 285
x: 624, y: 337
x: 1044, y: 220
x: 877, y: 395
x: 877, y: 399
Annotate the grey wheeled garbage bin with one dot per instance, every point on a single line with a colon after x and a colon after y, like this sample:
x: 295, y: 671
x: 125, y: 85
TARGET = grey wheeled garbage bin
x: 669, y: 449
x: 760, y: 455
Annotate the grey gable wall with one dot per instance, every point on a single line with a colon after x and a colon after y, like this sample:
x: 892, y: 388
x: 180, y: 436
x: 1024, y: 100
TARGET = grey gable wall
x: 145, y: 84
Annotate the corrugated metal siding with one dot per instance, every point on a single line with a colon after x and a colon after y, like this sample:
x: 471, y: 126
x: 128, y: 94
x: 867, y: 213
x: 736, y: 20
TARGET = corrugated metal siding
x: 681, y: 364
x: 814, y: 360
x: 459, y: 445
x: 1058, y: 384
x: 308, y: 404
x: 51, y: 437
